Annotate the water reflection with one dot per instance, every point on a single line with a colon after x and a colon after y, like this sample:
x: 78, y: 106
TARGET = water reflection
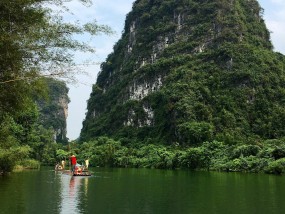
x: 141, y: 191
x: 86, y: 186
x: 71, y: 193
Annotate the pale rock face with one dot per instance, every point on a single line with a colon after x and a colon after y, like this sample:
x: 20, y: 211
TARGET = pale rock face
x: 162, y: 43
x: 201, y: 48
x: 57, y: 132
x: 143, y: 62
x: 130, y: 121
x: 64, y: 104
x: 133, y: 27
x: 148, y: 121
x: 166, y: 42
x: 138, y: 91
x: 179, y: 20
x: 130, y: 49
x: 132, y: 38
x: 153, y: 57
x: 150, y: 115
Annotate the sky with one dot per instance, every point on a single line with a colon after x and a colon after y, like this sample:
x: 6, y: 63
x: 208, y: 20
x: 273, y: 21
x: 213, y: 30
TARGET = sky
x: 106, y: 12
x: 113, y: 14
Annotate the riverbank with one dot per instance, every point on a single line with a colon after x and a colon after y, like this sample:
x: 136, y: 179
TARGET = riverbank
x: 267, y: 157
x: 264, y: 157
x: 27, y: 165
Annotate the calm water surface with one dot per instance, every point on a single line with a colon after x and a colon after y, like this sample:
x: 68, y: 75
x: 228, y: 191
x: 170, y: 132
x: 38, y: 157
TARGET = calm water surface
x: 146, y: 191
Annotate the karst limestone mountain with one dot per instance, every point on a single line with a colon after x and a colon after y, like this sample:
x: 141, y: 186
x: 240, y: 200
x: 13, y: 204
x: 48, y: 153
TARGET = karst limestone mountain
x: 189, y: 71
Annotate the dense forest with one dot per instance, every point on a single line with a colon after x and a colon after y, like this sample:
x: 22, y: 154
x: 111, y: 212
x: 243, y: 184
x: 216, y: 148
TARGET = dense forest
x: 36, y: 48
x: 34, y: 135
x: 186, y: 73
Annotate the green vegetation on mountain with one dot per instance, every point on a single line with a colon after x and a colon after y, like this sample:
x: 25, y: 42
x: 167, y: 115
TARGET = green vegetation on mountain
x: 188, y: 71
x: 54, y: 109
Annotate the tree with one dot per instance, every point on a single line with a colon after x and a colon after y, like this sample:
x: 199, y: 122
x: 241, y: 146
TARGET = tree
x: 35, y: 42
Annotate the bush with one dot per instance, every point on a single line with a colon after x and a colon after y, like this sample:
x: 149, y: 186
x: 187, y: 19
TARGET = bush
x: 245, y: 151
x: 209, y: 156
x: 247, y: 164
x: 276, y: 167
x: 278, y: 153
x: 196, y: 132
x: 9, y: 157
x: 29, y: 164
x: 165, y: 159
x: 195, y: 158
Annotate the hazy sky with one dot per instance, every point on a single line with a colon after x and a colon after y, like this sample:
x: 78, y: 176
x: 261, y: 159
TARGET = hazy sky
x: 113, y: 13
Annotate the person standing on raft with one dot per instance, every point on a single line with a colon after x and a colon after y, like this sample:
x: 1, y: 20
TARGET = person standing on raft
x: 63, y: 164
x: 86, y: 163
x: 73, y: 163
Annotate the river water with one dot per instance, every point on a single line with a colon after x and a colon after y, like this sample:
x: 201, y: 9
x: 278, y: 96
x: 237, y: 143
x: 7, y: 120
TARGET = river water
x: 145, y: 191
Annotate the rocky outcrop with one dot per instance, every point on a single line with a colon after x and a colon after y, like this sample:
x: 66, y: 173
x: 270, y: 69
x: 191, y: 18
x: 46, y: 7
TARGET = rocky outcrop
x: 179, y: 66
x: 54, y: 109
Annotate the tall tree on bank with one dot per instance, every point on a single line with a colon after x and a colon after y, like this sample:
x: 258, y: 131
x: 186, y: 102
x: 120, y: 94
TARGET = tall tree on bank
x: 35, y: 42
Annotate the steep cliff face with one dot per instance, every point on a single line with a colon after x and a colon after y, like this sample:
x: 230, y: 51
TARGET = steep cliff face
x: 53, y: 111
x: 190, y: 71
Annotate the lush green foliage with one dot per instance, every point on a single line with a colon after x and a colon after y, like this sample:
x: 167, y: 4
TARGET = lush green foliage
x: 11, y: 147
x: 215, y: 156
x: 27, y: 164
x: 220, y: 78
x: 35, y: 43
x: 23, y: 138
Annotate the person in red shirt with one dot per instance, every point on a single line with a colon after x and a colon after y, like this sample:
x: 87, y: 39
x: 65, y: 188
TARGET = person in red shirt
x: 73, y: 163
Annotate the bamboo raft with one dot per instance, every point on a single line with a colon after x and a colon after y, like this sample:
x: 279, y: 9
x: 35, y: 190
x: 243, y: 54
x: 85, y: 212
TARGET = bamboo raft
x: 83, y: 173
